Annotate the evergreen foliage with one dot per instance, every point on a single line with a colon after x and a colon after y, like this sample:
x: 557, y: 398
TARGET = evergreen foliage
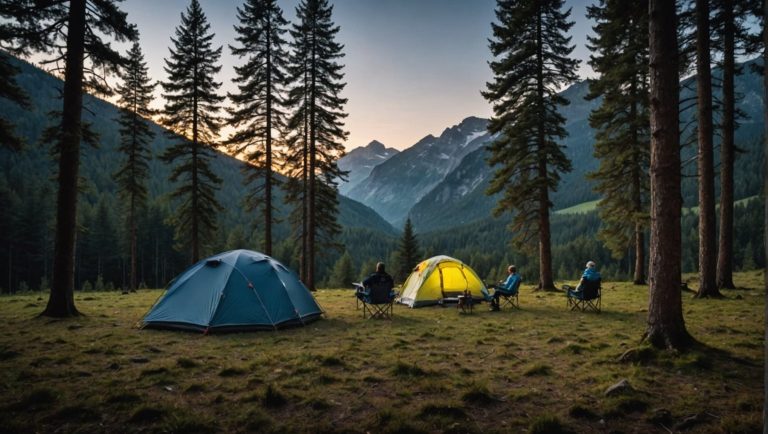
x: 410, y: 256
x: 10, y: 90
x: 343, y: 272
x: 622, y: 137
x: 316, y: 131
x: 191, y: 108
x: 257, y: 105
x: 135, y: 134
x: 531, y: 63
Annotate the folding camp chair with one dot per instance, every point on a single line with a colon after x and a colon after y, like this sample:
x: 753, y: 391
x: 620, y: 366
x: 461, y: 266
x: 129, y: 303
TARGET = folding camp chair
x: 508, y: 297
x: 378, y: 300
x: 589, y: 296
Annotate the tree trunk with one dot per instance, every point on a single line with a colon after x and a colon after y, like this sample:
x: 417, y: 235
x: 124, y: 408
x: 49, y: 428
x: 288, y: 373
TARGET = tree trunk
x: 195, y: 180
x: 546, y: 281
x: 311, y: 223
x: 765, y: 214
x: 637, y: 195
x: 665, y: 328
x: 727, y: 155
x: 132, y: 211
x: 268, y: 149
x: 62, y: 299
x: 707, y: 247
x: 132, y: 217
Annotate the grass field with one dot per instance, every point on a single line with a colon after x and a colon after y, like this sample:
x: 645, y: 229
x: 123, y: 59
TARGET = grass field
x: 538, y: 369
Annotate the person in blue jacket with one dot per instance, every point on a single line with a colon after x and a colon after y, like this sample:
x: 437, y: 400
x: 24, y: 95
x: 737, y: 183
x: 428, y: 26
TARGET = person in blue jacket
x: 507, y: 287
x: 590, y: 273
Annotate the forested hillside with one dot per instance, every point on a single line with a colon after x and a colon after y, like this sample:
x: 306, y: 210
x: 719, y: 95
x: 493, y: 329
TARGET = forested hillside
x: 27, y: 201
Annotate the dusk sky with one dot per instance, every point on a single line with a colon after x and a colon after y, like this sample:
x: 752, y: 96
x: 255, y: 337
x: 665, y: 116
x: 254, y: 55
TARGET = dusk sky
x: 413, y: 67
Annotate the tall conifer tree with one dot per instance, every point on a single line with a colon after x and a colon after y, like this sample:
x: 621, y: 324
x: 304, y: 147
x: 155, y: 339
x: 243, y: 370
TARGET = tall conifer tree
x: 731, y: 37
x: 409, y: 251
x: 316, y: 130
x: 74, y: 33
x: 706, y: 167
x: 259, y: 100
x: 666, y: 327
x: 135, y: 136
x: 531, y: 64
x: 191, y: 108
x: 620, y: 56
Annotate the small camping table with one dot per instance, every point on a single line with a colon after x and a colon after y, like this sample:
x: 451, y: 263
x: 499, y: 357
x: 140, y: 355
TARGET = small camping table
x: 465, y: 303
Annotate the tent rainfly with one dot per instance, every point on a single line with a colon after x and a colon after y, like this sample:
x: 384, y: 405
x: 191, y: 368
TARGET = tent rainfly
x: 438, y: 278
x: 234, y: 291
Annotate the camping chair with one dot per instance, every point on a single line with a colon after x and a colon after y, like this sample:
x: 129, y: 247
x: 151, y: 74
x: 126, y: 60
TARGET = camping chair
x: 589, y: 297
x: 510, y: 297
x: 378, y: 300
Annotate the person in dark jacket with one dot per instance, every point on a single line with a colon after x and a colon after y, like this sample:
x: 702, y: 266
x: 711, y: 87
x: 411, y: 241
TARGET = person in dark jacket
x: 380, y: 277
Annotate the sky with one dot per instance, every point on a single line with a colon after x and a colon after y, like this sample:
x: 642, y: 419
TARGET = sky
x: 412, y: 67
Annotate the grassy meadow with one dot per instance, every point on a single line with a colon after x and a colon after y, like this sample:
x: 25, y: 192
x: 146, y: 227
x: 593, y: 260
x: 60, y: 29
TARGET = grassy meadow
x: 538, y: 369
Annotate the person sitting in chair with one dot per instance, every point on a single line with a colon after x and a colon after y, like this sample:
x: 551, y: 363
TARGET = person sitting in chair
x: 590, y: 274
x: 506, y: 287
x: 376, y: 278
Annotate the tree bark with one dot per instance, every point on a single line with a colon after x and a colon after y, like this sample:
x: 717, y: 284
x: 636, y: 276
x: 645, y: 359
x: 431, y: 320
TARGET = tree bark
x: 665, y: 328
x: 546, y: 280
x: 637, y: 195
x: 268, y: 148
x: 707, y: 234
x: 195, y: 180
x: 311, y: 223
x: 765, y: 215
x: 727, y: 155
x: 62, y: 299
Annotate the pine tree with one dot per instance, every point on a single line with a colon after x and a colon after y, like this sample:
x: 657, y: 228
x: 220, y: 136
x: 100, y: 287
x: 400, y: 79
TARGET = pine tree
x: 135, y: 136
x: 316, y: 131
x: 409, y: 252
x: 706, y: 168
x: 620, y: 56
x: 73, y: 33
x: 343, y: 273
x: 530, y: 66
x: 191, y: 108
x: 731, y: 37
x: 666, y: 327
x: 258, y: 102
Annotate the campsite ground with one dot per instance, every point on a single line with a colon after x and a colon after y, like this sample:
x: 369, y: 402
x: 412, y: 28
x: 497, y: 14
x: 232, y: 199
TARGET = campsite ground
x: 428, y: 370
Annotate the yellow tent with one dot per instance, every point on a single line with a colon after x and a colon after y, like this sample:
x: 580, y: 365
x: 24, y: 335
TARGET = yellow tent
x: 438, y: 278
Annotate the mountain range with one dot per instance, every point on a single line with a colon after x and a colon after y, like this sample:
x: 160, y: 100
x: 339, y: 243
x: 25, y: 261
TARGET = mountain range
x: 440, y: 182
x: 396, y: 184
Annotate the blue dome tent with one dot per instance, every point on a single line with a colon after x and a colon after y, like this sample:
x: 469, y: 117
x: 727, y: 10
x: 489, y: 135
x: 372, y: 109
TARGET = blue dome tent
x: 234, y: 291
